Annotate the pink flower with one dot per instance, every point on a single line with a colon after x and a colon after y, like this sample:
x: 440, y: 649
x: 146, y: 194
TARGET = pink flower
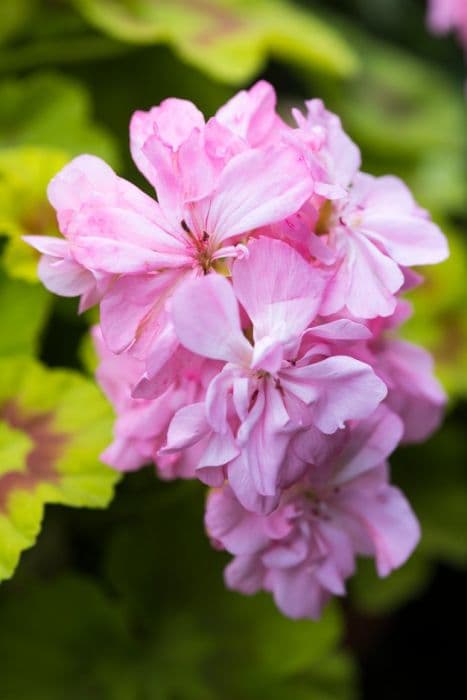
x: 305, y: 550
x: 140, y: 428
x: 449, y: 15
x: 211, y: 191
x: 248, y: 331
x: 268, y: 390
x: 368, y: 234
x: 414, y: 393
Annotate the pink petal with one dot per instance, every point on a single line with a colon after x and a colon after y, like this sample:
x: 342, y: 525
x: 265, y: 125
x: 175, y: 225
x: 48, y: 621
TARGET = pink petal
x: 279, y: 290
x: 370, y: 442
x: 186, y: 428
x: 365, y: 280
x: 256, y: 188
x: 88, y: 181
x: 119, y: 257
x: 387, y: 519
x: 297, y: 593
x: 206, y: 319
x: 245, y: 574
x: 65, y: 277
x: 336, y: 389
x: 123, y: 456
x: 243, y: 486
x: 132, y: 308
x: 251, y: 114
x: 409, y: 240
x: 416, y: 395
x: 265, y: 446
x: 172, y: 121
x: 239, y: 531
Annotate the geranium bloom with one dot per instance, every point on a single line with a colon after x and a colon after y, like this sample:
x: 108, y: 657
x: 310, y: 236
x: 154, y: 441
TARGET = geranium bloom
x: 449, y: 15
x: 248, y: 331
x: 212, y: 189
x: 369, y: 234
x: 274, y: 387
x: 305, y: 550
x: 141, y: 426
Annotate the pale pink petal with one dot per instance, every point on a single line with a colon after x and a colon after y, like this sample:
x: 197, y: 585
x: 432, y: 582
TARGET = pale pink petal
x: 119, y: 224
x: 267, y: 355
x: 206, y: 319
x: 387, y: 519
x: 340, y: 154
x: 132, y: 307
x: 119, y: 257
x: 163, y: 365
x: 416, y: 395
x: 409, y: 240
x: 123, y: 456
x: 340, y: 330
x: 265, y: 446
x: 337, y: 389
x: 241, y: 481
x: 173, y: 121
x: 279, y: 290
x: 65, y: 277
x: 186, y: 428
x: 370, y: 442
x: 364, y: 282
x: 217, y: 398
x: 220, y: 449
x: 88, y: 181
x: 239, y: 531
x: 286, y: 554
x: 251, y: 114
x: 297, y: 593
x: 256, y: 188
x: 49, y: 245
x: 245, y: 574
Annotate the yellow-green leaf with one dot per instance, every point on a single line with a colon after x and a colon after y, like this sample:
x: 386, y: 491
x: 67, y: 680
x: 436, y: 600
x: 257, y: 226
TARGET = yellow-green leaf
x: 56, y: 423
x: 23, y: 311
x: 24, y: 175
x: 228, y: 39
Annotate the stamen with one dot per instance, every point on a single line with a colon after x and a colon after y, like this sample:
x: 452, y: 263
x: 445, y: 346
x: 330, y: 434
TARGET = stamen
x: 185, y: 227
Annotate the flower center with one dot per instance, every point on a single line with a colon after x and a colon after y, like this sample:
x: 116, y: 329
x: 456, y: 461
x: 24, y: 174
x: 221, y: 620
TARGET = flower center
x: 325, y: 219
x: 201, y: 249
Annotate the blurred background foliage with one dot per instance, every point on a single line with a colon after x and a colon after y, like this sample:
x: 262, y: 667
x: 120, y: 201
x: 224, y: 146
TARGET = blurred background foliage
x: 128, y: 603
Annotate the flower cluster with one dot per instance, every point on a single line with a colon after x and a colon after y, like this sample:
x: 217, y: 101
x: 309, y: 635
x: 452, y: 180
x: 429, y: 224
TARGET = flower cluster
x: 248, y: 331
x: 449, y: 15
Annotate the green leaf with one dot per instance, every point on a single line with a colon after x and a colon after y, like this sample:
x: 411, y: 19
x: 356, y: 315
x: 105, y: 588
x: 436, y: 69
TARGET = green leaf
x: 14, y: 447
x: 159, y: 623
x: 52, y: 111
x: 24, y: 175
x: 68, y: 423
x: 23, y: 312
x: 439, y: 322
x: 12, y: 17
x: 399, y: 106
x: 71, y: 638
x: 228, y: 39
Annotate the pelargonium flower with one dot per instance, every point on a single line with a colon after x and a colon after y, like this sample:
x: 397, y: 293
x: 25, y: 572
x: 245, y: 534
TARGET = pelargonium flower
x: 273, y: 387
x: 368, y: 235
x: 212, y: 188
x: 140, y: 428
x: 305, y: 550
x: 248, y: 331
